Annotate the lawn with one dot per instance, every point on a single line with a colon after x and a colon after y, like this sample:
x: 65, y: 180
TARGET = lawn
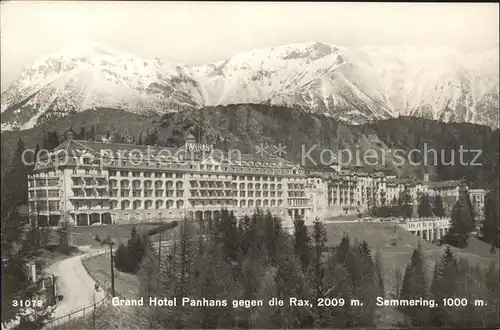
x: 119, y: 233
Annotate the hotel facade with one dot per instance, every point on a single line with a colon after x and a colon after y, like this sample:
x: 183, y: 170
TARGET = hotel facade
x: 91, y: 183
x: 87, y: 183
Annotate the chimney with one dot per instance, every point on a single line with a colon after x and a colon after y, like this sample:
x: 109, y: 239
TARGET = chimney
x: 190, y: 139
x: 69, y: 135
x: 33, y: 272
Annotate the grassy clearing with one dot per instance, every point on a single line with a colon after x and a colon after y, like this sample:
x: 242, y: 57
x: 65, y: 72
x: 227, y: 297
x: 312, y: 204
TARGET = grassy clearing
x: 118, y: 233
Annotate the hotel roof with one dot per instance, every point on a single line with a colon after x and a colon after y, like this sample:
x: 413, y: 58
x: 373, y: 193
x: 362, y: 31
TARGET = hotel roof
x: 76, y: 147
x: 446, y: 184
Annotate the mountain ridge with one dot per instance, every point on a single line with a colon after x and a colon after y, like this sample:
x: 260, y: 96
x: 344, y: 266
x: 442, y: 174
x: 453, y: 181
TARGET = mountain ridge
x: 353, y: 85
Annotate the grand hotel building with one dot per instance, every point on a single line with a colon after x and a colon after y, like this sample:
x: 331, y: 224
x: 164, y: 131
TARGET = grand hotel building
x: 87, y: 183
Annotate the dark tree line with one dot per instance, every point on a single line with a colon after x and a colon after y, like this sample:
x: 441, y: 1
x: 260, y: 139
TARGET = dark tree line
x: 446, y: 139
x: 402, y: 207
x: 462, y: 222
x: 128, y: 257
x: 491, y: 225
x: 451, y: 278
x: 255, y: 258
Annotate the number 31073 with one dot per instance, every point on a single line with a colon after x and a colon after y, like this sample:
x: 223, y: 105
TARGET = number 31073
x: 27, y: 303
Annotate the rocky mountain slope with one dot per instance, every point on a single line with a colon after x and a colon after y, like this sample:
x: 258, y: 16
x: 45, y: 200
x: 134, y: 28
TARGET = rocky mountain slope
x: 361, y: 85
x: 93, y: 76
x: 355, y: 85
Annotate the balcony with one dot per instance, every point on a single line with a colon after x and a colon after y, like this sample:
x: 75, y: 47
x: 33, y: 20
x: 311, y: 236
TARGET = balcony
x: 211, y: 197
x: 88, y: 175
x: 103, y: 196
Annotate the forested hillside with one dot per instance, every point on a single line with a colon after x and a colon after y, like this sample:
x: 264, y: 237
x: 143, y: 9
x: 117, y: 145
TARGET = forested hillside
x: 247, y: 126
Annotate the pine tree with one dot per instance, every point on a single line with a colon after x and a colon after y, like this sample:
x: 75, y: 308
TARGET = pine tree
x: 337, y: 284
x: 343, y: 249
x: 438, y: 208
x: 424, y: 207
x: 363, y: 287
x: 319, y: 238
x: 406, y: 207
x: 227, y: 233
x: 271, y: 234
x: 149, y: 279
x: 471, y: 208
x: 82, y: 134
x: 63, y: 232
x: 92, y: 135
x: 415, y: 286
x: 399, y: 282
x: 55, y: 141
x: 13, y: 195
x: 290, y: 282
x: 302, y: 243
x: 461, y: 224
x: 121, y: 258
x: 491, y: 226
x: 379, y: 273
x: 445, y: 285
x: 492, y: 287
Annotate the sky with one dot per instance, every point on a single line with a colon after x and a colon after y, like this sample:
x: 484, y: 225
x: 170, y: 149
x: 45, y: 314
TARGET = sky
x: 195, y: 33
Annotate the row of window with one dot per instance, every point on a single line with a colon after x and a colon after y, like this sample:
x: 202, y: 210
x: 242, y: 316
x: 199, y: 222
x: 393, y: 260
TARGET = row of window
x: 44, y: 194
x: 146, y: 193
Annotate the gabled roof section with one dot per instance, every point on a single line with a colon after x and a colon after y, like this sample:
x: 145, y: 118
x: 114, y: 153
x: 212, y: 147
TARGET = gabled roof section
x: 120, y: 149
x: 446, y: 184
x: 63, y: 146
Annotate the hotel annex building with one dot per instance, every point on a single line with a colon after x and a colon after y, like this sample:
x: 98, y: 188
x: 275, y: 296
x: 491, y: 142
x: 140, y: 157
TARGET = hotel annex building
x: 87, y: 183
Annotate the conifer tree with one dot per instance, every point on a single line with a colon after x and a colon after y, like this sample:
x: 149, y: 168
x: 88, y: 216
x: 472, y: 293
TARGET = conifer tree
x: 319, y: 238
x: 444, y: 286
x: 461, y: 224
x: 424, y: 207
x: 406, y: 207
x: 399, y: 282
x: 337, y: 284
x: 149, y: 279
x: 271, y: 234
x: 438, y: 208
x: 470, y: 207
x: 121, y: 258
x: 415, y: 286
x: 92, y: 134
x: 227, y: 233
x: 343, y: 249
x: 491, y: 225
x: 379, y: 273
x: 290, y: 282
x: 13, y: 196
x: 302, y: 243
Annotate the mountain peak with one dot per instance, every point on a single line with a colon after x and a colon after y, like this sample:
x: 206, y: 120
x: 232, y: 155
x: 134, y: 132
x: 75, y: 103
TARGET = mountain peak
x: 356, y: 85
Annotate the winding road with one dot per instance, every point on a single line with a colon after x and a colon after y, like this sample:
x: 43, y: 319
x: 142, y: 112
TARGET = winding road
x: 74, y: 284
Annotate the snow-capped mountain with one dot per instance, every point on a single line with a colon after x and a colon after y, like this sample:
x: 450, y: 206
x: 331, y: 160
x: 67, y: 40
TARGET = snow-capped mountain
x: 90, y: 76
x: 356, y: 85
x: 364, y: 84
